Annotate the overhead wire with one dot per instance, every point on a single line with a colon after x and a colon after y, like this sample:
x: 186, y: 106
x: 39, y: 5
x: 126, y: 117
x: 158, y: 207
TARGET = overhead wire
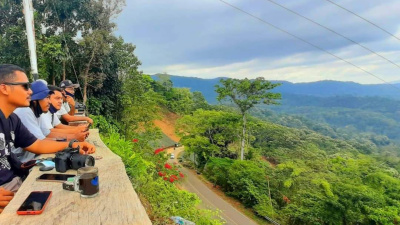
x: 307, y: 42
x: 368, y: 21
x: 333, y: 31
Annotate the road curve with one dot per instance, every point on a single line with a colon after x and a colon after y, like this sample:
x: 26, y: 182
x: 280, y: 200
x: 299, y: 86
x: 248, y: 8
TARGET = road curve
x: 209, y: 199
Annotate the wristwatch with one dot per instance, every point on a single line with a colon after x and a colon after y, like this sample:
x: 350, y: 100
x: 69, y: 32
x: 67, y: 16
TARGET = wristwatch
x: 72, y: 141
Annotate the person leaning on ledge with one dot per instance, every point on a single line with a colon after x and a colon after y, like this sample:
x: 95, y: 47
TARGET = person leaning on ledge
x: 49, y: 122
x: 67, y: 110
x: 15, y: 92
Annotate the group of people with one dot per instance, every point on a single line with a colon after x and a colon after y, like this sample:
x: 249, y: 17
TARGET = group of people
x: 30, y: 124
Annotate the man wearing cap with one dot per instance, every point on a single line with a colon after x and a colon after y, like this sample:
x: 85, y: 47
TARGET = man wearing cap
x: 30, y: 118
x: 15, y: 92
x: 68, y: 108
x: 50, y: 122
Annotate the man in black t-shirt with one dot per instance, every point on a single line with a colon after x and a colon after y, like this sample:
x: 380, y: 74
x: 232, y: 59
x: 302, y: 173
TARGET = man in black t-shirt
x: 15, y: 92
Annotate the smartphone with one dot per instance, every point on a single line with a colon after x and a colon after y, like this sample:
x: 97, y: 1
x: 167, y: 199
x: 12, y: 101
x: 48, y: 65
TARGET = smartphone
x: 88, y: 127
x: 54, y: 177
x: 35, y: 203
x: 61, y: 139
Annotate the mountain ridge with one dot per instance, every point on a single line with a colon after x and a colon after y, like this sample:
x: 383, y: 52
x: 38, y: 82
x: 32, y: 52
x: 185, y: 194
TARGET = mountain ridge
x: 325, y: 88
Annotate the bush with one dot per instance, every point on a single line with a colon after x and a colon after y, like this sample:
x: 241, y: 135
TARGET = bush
x: 164, y: 198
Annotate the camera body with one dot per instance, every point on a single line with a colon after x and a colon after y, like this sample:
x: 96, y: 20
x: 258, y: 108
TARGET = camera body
x: 80, y: 107
x: 70, y: 158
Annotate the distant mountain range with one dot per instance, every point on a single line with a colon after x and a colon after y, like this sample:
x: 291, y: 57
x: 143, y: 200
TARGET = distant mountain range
x: 325, y: 88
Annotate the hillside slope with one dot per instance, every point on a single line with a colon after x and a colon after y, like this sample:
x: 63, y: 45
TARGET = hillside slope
x: 167, y: 125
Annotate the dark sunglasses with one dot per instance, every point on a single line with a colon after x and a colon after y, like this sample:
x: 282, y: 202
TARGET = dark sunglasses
x: 25, y: 85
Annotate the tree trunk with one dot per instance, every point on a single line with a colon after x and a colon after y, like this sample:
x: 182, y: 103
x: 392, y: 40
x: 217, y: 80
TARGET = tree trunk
x: 54, y: 80
x: 63, y: 76
x: 243, y: 138
x: 85, y: 83
x: 86, y: 77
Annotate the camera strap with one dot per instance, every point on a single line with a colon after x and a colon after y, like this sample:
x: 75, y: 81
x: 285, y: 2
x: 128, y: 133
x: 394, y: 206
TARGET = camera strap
x: 71, y: 142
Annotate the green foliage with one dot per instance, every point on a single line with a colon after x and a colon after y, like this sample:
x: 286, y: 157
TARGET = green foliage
x: 244, y: 180
x: 210, y: 133
x: 178, y: 100
x: 165, y: 200
x: 247, y: 93
x: 103, y: 125
x: 313, y: 179
x: 50, y: 57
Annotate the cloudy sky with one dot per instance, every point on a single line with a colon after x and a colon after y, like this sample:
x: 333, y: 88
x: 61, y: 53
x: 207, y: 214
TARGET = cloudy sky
x: 209, y: 39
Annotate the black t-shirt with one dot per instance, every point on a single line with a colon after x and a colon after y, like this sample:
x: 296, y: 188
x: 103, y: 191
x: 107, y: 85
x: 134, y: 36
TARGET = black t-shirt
x: 11, y: 128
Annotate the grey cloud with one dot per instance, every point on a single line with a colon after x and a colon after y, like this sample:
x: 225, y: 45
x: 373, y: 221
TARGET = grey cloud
x: 209, y: 33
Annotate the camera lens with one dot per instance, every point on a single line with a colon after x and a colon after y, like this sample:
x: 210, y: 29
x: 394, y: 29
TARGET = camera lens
x: 78, y: 161
x: 89, y: 161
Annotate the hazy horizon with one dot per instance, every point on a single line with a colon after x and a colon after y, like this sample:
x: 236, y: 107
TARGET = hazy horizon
x: 212, y: 78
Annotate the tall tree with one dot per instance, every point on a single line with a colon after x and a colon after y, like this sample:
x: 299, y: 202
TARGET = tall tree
x: 245, y: 94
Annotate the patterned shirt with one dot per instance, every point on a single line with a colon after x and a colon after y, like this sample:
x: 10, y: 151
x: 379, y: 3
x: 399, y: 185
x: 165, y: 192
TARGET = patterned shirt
x: 12, y: 134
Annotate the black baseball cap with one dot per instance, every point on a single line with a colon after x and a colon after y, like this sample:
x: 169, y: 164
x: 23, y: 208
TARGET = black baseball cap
x: 68, y: 83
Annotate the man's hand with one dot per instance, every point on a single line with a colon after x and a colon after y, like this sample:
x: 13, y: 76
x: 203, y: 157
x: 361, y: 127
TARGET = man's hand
x: 85, y: 148
x: 5, y: 198
x: 89, y: 120
x: 81, y: 136
x: 81, y: 128
x: 70, y: 100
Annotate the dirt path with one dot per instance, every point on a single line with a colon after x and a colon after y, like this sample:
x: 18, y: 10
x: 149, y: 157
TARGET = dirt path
x: 210, y: 199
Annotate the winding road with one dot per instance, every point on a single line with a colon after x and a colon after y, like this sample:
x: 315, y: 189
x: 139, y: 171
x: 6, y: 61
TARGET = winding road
x: 209, y: 199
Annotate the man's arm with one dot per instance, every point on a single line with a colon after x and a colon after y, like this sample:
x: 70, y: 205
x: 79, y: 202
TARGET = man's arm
x: 71, y: 104
x: 76, y: 128
x: 47, y: 146
x: 70, y: 118
x: 80, y: 136
x: 5, y: 198
x: 72, y: 111
x: 67, y: 131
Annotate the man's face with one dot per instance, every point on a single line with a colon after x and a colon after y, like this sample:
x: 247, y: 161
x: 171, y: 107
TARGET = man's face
x: 45, y: 104
x: 18, y: 95
x: 70, y: 90
x: 56, y: 100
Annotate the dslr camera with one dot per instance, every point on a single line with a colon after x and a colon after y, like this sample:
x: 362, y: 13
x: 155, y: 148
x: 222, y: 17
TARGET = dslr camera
x: 70, y: 158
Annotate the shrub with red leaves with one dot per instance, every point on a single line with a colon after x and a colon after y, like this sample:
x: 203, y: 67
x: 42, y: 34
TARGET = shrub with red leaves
x: 158, y: 151
x: 167, y: 166
x: 161, y: 174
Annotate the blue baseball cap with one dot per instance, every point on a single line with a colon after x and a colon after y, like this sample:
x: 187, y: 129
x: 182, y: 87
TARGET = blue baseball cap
x: 39, y: 90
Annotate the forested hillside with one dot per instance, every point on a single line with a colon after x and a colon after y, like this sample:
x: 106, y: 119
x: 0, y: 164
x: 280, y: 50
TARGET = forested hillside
x: 311, y: 173
x: 296, y: 176
x: 371, y: 116
x: 336, y: 109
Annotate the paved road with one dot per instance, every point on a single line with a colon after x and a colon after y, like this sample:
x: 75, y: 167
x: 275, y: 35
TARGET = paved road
x: 209, y: 199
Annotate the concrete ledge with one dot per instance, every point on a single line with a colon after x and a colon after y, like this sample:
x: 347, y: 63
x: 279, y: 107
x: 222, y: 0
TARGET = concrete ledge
x: 117, y: 202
